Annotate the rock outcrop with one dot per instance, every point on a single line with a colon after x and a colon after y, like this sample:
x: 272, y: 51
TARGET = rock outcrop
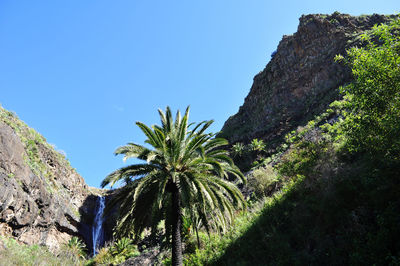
x: 42, y: 198
x: 301, y: 79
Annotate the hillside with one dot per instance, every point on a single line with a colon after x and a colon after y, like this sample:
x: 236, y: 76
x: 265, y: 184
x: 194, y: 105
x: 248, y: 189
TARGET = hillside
x: 301, y: 79
x: 43, y: 200
x: 318, y: 138
x: 337, y: 176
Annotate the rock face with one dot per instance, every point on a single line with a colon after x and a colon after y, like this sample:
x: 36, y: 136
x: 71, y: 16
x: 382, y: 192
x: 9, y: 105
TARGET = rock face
x: 42, y: 197
x: 301, y: 79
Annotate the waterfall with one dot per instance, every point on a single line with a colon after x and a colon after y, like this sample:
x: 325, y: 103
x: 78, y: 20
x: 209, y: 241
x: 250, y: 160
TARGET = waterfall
x: 97, y: 228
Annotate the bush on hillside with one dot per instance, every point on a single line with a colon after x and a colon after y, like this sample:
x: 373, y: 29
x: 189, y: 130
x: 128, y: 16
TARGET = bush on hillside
x: 262, y: 181
x: 372, y: 123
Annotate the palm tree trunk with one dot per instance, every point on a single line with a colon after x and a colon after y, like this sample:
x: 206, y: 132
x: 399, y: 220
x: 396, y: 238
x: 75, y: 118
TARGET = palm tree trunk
x: 197, y: 235
x: 176, y: 227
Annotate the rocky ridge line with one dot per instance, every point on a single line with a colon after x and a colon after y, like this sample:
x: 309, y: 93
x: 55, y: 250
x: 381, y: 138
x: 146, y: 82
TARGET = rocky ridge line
x: 301, y: 79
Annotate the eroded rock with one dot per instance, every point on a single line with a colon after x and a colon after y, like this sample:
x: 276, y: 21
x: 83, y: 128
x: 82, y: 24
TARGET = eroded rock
x: 301, y: 79
x: 41, y: 195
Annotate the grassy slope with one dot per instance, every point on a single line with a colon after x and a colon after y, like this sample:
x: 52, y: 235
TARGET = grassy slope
x: 346, y: 216
x: 344, y: 207
x: 14, y: 253
x: 336, y: 208
x: 352, y: 219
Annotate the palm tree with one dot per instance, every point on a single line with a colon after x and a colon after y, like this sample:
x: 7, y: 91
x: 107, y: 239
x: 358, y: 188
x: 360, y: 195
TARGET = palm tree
x: 184, y: 167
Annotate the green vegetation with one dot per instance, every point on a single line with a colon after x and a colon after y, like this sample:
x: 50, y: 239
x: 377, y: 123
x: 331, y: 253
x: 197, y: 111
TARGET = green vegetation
x: 31, y: 141
x: 115, y: 253
x: 250, y: 155
x: 71, y: 253
x: 328, y: 196
x: 340, y: 201
x: 29, y: 137
x: 238, y: 149
x: 184, y: 170
x: 123, y: 249
x: 262, y: 181
x: 76, y: 248
x: 257, y: 145
x: 24, y: 255
x: 372, y: 124
x: 11, y: 175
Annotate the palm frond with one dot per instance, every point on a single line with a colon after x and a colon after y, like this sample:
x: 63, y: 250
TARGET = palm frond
x: 187, y: 160
x: 128, y: 171
x: 151, y: 136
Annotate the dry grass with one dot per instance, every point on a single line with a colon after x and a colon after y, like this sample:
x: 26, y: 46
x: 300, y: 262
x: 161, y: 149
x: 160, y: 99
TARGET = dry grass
x: 14, y: 253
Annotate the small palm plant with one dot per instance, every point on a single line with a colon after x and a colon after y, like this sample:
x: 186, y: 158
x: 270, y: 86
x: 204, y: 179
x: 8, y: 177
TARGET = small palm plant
x: 238, y: 149
x: 123, y: 249
x: 76, y: 248
x: 257, y: 145
x: 103, y: 257
x: 184, y: 167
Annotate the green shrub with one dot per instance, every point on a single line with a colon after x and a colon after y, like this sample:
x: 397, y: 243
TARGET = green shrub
x: 303, y: 154
x: 116, y: 253
x: 249, y: 156
x: 262, y: 181
x: 75, y: 248
x: 257, y: 145
x: 372, y: 123
x: 238, y: 149
x: 103, y: 257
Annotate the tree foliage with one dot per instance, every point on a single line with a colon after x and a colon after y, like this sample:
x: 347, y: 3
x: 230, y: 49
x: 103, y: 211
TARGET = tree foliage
x: 184, y: 166
x: 372, y: 123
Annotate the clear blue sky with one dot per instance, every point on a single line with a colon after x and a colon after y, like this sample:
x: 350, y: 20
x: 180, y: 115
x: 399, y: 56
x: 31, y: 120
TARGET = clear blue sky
x: 82, y: 72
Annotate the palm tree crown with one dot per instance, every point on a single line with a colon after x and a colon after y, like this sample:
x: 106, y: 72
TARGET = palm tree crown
x: 184, y: 168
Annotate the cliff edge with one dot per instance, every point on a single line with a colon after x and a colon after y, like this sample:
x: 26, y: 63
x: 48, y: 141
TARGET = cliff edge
x: 301, y: 79
x: 43, y: 200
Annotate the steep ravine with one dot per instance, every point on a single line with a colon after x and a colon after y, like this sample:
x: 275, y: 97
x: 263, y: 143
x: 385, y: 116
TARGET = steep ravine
x: 301, y: 79
x: 43, y: 200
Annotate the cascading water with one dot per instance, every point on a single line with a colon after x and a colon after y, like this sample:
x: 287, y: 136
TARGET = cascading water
x: 97, y: 229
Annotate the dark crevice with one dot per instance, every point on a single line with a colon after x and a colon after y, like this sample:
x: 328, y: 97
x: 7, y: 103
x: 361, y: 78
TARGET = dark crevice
x: 71, y: 220
x: 67, y: 230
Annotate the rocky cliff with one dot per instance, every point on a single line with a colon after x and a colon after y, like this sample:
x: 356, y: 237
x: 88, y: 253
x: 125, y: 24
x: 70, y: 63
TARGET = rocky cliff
x: 43, y: 200
x: 301, y: 79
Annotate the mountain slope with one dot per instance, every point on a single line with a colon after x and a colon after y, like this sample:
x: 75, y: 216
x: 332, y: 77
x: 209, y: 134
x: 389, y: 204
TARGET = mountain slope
x: 301, y: 79
x: 340, y: 173
x: 42, y: 198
